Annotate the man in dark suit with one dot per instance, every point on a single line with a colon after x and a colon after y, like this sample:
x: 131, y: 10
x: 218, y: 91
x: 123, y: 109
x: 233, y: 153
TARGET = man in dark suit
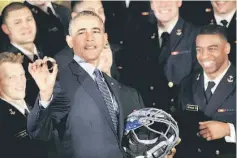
x: 65, y: 56
x: 88, y: 107
x: 20, y: 27
x: 52, y: 23
x: 161, y: 54
x: 15, y: 141
x: 208, y: 100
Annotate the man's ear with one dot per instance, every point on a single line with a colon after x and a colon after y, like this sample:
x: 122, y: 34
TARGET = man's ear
x: 106, y: 38
x: 179, y: 3
x: 69, y: 41
x: 227, y: 48
x: 5, y: 29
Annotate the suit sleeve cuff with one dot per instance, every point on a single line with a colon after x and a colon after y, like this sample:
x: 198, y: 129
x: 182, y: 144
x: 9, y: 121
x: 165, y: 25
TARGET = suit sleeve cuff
x: 232, y: 137
x: 45, y: 104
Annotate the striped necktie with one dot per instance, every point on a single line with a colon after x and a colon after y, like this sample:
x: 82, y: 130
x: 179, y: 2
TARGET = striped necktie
x: 107, y: 97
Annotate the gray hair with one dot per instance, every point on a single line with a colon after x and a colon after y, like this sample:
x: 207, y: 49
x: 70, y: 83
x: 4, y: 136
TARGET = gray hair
x: 80, y: 14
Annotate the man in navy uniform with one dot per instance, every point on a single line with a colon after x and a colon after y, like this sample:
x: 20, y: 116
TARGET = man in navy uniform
x: 161, y: 54
x: 208, y: 100
x: 52, y: 23
x: 14, y: 138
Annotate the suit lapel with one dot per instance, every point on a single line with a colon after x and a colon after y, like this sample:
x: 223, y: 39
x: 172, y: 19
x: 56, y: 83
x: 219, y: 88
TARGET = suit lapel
x: 198, y: 91
x: 223, y: 90
x: 90, y: 86
x: 115, y: 88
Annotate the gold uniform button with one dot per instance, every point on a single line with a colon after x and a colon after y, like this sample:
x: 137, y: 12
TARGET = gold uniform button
x: 121, y: 42
x: 172, y: 100
x: 153, y: 103
x: 170, y: 84
x: 217, y: 152
x: 151, y: 88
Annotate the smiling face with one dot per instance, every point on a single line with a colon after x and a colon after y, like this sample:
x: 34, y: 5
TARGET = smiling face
x: 20, y: 26
x: 87, y: 37
x: 12, y: 81
x: 165, y: 11
x: 212, y: 53
x: 223, y: 6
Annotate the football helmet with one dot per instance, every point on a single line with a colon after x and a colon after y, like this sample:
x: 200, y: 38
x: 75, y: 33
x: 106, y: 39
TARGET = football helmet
x: 150, y: 133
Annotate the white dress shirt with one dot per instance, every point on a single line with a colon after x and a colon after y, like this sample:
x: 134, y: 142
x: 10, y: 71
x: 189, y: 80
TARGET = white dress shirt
x: 232, y: 137
x: 29, y: 54
x: 227, y: 18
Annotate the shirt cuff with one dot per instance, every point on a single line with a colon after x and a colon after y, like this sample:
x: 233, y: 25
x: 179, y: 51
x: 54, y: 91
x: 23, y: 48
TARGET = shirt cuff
x: 232, y: 137
x: 45, y: 104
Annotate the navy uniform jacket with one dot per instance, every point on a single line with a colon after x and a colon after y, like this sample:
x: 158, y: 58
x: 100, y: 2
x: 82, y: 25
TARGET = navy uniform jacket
x: 156, y: 73
x: 80, y: 115
x: 120, y: 20
x: 221, y: 107
x: 31, y: 87
x: 14, y: 138
x: 51, y: 30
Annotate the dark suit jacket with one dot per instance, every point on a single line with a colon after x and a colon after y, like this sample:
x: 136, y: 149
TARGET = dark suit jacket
x: 221, y: 107
x: 31, y: 87
x: 80, y: 115
x: 149, y: 68
x: 14, y: 138
x: 51, y: 30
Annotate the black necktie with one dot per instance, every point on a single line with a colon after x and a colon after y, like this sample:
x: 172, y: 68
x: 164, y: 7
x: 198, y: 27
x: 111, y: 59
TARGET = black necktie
x: 35, y: 57
x: 208, y: 92
x: 49, y: 10
x: 164, y: 38
x: 224, y: 23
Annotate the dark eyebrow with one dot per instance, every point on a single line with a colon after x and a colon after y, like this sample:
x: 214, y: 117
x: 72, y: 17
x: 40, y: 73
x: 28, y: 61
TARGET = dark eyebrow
x: 79, y: 30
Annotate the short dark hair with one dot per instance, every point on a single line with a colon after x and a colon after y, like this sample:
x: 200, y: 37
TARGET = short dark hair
x: 213, y: 29
x: 83, y: 13
x: 11, y: 7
